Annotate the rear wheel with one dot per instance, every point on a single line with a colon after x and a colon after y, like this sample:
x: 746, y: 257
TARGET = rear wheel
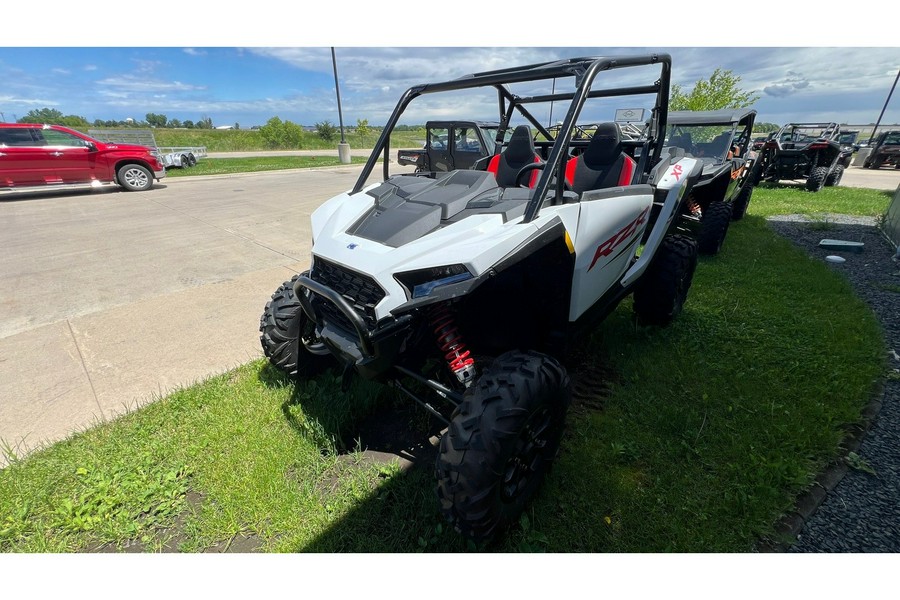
x: 192, y: 160
x: 716, y: 219
x: 287, y: 335
x: 834, y: 177
x: 816, y: 179
x: 501, y: 442
x: 660, y: 294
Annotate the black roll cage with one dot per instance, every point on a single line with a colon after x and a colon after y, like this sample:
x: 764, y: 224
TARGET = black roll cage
x: 585, y: 71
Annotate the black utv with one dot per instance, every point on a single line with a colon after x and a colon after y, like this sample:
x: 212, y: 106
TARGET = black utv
x: 721, y: 139
x: 885, y: 151
x: 810, y: 151
x: 451, y: 145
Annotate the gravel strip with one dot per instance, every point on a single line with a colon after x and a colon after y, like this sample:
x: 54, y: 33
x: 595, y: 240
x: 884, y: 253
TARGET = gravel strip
x: 861, y: 513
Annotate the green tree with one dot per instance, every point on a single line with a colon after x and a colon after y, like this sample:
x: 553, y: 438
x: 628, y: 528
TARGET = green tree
x: 280, y: 134
x: 51, y: 116
x: 205, y: 123
x: 272, y: 133
x: 155, y: 120
x: 718, y: 92
x: 362, y: 127
x: 326, y: 130
x: 188, y: 124
x: 175, y: 123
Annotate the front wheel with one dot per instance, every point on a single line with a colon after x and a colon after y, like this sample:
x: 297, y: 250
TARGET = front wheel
x: 740, y: 204
x: 287, y: 335
x: 834, y: 177
x: 662, y: 290
x: 501, y: 442
x: 716, y: 219
x: 135, y: 178
x: 816, y: 179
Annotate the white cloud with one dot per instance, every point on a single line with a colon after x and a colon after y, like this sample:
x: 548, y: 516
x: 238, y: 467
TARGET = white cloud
x: 141, y: 84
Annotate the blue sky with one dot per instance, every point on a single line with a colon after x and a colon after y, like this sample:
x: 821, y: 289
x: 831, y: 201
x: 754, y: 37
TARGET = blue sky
x: 248, y: 71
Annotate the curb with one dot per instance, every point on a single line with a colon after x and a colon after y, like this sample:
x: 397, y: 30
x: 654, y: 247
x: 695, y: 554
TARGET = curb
x: 789, y: 526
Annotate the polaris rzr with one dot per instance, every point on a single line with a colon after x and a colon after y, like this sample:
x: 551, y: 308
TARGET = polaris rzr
x: 885, y: 151
x: 721, y: 140
x: 810, y: 151
x: 464, y: 289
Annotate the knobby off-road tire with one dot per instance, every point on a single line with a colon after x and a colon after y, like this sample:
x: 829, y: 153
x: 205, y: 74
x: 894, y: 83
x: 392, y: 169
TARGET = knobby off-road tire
x: 740, y: 204
x: 816, y: 179
x: 283, y: 329
x: 500, y: 443
x: 661, y: 292
x: 716, y: 219
x: 834, y: 177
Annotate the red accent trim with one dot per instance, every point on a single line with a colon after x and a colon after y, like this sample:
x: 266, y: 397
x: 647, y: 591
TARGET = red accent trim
x: 534, y: 174
x: 627, y: 171
x: 494, y: 165
x: 570, y: 171
x: 607, y: 247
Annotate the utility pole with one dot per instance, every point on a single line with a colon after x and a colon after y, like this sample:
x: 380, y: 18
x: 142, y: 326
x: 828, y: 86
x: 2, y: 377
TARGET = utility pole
x: 343, y: 147
x: 884, y: 108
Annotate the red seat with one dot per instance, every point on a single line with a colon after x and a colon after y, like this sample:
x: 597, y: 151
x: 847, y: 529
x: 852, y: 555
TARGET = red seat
x: 518, y: 153
x: 603, y: 163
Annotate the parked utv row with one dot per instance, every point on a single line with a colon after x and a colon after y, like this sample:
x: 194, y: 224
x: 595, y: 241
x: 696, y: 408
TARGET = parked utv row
x: 463, y: 285
x: 810, y: 151
x: 885, y: 151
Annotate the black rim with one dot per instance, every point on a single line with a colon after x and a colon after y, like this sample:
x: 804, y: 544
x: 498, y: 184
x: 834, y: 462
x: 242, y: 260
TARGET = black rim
x: 524, y: 467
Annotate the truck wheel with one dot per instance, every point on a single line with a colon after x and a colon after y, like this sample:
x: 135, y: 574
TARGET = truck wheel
x: 501, y: 442
x: 877, y: 162
x: 661, y: 292
x: 185, y: 161
x: 816, y: 179
x: 286, y: 335
x: 192, y: 160
x: 716, y: 219
x: 135, y: 178
x: 740, y: 204
x: 834, y: 177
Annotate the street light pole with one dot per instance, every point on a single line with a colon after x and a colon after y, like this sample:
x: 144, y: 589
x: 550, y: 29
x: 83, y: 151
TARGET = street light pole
x: 884, y: 108
x: 343, y: 147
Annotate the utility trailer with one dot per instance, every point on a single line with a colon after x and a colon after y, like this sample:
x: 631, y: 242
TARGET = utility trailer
x: 180, y: 156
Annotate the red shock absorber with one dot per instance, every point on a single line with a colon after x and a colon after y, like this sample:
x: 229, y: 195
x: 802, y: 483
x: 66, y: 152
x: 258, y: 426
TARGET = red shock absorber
x: 450, y: 342
x: 694, y: 207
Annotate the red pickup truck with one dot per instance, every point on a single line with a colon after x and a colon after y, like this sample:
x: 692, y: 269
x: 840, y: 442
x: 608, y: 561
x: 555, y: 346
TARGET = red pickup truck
x: 37, y: 157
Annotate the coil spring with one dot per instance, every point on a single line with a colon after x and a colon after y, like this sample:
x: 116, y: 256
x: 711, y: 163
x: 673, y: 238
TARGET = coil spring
x: 449, y: 340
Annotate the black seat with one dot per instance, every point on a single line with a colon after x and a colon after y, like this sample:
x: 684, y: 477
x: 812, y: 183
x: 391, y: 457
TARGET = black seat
x: 603, y: 164
x: 684, y: 142
x: 518, y: 153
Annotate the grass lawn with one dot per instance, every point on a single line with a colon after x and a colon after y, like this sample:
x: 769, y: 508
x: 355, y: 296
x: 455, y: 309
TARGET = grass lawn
x: 707, y: 431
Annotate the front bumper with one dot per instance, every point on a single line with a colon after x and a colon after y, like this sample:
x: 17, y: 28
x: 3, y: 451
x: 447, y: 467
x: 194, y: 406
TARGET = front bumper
x: 371, y: 351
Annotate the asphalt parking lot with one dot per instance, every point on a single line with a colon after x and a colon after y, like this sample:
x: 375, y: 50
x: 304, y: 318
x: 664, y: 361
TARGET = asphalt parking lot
x: 109, y: 299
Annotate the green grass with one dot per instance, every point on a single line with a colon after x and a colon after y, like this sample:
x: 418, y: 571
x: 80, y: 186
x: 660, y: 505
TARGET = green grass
x: 247, y: 140
x: 226, y: 166
x: 712, y: 427
x: 782, y: 199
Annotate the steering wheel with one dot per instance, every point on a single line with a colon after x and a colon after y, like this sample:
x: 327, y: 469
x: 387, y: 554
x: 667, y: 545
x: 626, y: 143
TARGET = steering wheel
x: 528, y: 169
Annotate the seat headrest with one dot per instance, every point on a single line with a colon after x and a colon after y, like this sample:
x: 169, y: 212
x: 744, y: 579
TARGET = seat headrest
x: 521, y: 145
x: 605, y: 146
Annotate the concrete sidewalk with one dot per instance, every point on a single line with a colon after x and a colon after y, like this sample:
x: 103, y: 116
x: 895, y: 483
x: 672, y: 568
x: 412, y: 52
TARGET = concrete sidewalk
x: 112, y: 300
x: 63, y: 377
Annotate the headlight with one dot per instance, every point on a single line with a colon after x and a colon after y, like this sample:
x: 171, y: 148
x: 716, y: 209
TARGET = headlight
x: 422, y: 282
